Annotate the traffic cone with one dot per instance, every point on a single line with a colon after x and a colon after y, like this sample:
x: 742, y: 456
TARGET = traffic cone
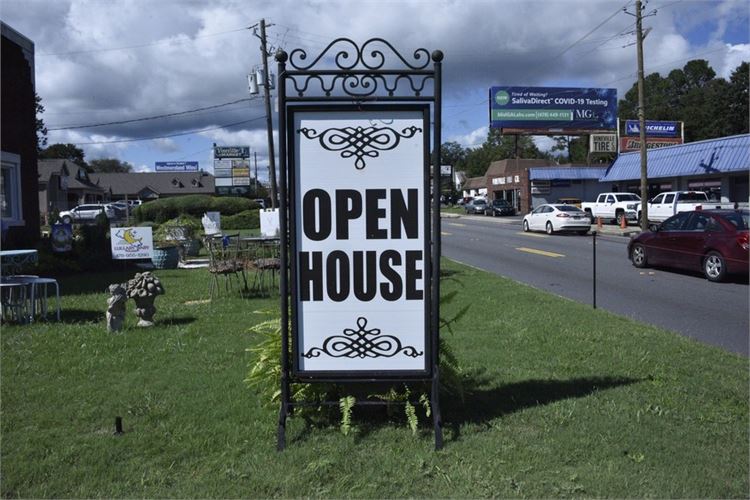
x: 599, y: 223
x: 623, y: 222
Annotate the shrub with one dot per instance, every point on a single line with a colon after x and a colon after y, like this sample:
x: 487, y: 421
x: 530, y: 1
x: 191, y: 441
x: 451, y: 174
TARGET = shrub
x: 185, y: 224
x: 195, y: 205
x: 249, y: 219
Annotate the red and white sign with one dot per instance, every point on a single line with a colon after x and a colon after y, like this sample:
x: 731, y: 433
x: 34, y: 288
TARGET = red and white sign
x: 628, y: 144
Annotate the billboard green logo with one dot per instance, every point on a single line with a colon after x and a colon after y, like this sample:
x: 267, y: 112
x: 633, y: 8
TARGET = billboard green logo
x: 502, y: 98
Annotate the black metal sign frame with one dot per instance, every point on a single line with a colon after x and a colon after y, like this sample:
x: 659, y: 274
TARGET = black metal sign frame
x: 359, y: 77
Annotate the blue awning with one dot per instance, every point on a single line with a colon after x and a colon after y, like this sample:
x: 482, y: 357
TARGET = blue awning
x: 713, y: 156
x: 565, y: 173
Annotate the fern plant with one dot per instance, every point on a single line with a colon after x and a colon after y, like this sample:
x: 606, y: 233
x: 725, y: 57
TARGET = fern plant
x: 265, y: 373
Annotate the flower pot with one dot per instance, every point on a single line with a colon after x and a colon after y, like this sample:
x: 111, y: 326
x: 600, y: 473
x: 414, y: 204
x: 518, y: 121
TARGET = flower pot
x: 165, y: 258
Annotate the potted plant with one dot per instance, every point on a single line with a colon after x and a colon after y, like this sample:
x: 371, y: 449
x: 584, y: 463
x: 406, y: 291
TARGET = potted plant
x: 166, y: 254
x: 181, y: 231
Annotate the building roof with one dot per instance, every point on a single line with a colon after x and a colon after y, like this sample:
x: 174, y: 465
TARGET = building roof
x: 713, y: 156
x: 500, y: 167
x: 475, y: 183
x: 46, y: 168
x: 566, y: 173
x: 161, y: 183
x: 78, y: 177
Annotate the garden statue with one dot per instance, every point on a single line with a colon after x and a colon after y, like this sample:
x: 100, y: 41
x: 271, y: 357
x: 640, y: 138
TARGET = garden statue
x: 116, y: 307
x: 143, y: 289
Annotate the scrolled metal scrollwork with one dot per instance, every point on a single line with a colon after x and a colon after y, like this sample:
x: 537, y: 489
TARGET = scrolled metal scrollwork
x: 349, y: 55
x: 359, y: 142
x: 362, y: 343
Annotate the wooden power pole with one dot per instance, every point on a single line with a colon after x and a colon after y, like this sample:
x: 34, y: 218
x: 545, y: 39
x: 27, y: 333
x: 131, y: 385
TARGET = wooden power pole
x: 642, y: 116
x: 269, y: 119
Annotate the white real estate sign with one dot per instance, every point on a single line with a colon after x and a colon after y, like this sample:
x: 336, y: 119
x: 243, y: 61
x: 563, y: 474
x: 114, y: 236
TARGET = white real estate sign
x: 131, y: 242
x: 360, y: 220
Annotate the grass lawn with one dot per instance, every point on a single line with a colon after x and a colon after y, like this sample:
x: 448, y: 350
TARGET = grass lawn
x: 561, y: 401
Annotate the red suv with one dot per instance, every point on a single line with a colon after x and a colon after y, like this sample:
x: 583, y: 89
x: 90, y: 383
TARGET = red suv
x: 712, y: 241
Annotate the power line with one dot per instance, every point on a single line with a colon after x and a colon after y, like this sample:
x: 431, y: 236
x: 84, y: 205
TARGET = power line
x: 167, y: 115
x: 592, y: 31
x: 160, y: 42
x: 189, y: 132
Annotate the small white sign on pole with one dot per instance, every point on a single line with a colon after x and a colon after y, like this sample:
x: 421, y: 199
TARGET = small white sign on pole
x: 269, y: 222
x: 131, y: 242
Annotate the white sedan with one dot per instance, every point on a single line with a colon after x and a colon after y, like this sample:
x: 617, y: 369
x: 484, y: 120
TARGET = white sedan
x: 551, y: 218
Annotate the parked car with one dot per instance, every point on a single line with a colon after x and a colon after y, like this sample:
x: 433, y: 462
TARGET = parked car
x: 476, y: 206
x: 613, y: 206
x: 712, y: 241
x: 551, y: 218
x: 499, y: 207
x: 665, y: 205
x: 84, y: 213
x: 121, y: 208
x: 464, y: 200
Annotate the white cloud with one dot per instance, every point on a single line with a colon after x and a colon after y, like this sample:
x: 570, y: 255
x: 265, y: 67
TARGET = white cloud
x: 735, y: 55
x: 473, y: 139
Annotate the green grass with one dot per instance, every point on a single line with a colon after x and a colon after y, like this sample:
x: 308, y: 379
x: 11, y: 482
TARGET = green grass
x: 562, y: 401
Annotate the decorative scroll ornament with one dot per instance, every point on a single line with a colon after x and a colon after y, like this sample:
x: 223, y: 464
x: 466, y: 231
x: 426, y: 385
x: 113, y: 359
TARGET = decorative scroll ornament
x: 362, y: 343
x: 348, y: 55
x: 360, y: 141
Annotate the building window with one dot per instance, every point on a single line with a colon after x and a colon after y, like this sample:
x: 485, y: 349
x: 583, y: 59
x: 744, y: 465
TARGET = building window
x: 10, y: 190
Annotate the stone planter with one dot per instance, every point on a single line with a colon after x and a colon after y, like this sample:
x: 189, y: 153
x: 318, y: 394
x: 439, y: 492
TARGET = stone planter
x: 191, y: 247
x: 145, y: 310
x: 166, y: 257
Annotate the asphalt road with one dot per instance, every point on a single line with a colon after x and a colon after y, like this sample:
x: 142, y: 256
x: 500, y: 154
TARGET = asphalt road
x: 713, y: 313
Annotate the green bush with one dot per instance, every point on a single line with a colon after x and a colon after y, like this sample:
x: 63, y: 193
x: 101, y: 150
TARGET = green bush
x: 196, y: 205
x: 190, y: 226
x: 249, y: 219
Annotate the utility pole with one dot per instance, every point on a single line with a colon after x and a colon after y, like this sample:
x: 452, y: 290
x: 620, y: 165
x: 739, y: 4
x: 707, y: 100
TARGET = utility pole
x: 255, y: 158
x: 641, y: 112
x: 269, y: 118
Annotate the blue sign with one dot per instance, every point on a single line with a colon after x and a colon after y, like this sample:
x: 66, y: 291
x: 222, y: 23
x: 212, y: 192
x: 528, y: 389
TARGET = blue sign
x: 653, y: 128
x: 176, y: 166
x: 553, y: 109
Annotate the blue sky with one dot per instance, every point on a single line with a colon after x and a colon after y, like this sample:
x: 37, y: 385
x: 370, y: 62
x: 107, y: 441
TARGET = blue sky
x: 103, y: 61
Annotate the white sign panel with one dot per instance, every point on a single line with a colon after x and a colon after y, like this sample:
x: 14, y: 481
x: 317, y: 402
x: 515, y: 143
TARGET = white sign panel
x: 269, y: 222
x: 131, y: 242
x: 360, y: 258
x: 603, y: 143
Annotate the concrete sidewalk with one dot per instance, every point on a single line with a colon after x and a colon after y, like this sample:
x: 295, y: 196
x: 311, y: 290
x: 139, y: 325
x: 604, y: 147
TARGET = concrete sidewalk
x: 608, y: 229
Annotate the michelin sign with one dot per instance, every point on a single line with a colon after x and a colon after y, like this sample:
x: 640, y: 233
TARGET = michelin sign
x: 552, y: 110
x: 653, y: 128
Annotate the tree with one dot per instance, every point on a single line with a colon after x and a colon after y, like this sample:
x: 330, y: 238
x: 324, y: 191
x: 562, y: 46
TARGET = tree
x: 41, y: 128
x: 452, y: 153
x: 737, y: 96
x: 475, y: 161
x: 710, y: 107
x: 109, y: 165
x: 64, y: 152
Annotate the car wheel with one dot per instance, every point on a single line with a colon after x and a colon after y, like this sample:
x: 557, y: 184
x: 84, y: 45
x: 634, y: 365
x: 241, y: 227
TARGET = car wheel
x: 66, y: 220
x: 638, y: 255
x: 525, y: 226
x: 550, y: 229
x: 618, y: 218
x: 714, y: 267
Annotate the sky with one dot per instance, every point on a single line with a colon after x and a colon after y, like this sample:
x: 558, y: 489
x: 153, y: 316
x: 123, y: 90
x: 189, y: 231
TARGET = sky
x: 104, y: 61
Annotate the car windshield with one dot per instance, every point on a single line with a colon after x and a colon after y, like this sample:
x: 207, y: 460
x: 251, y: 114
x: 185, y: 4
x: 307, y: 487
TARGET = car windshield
x: 568, y: 208
x: 627, y: 197
x: 500, y: 203
x: 739, y: 219
x: 480, y: 202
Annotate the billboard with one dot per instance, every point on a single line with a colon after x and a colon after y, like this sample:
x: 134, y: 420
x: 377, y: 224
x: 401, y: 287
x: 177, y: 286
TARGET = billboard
x: 653, y: 128
x: 552, y: 110
x: 176, y: 166
x: 232, y: 169
x: 360, y: 251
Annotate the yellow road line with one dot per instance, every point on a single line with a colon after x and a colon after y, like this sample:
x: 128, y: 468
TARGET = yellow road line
x: 535, y: 235
x: 539, y: 252
x: 443, y: 233
x: 456, y: 224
